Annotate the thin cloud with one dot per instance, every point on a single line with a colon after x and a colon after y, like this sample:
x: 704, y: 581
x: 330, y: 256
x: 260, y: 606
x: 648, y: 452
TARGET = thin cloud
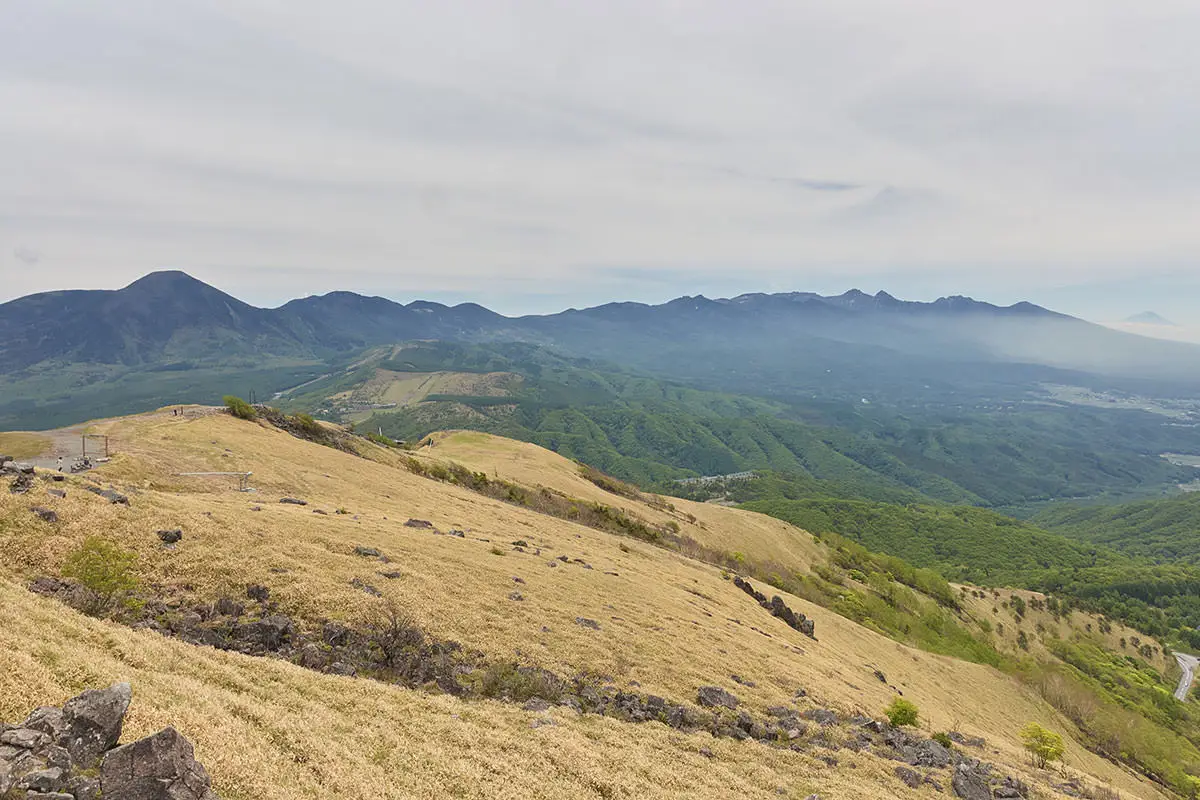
x: 434, y: 147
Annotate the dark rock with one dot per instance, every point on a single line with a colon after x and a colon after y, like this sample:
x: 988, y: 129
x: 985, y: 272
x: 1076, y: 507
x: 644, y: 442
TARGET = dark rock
x: 84, y: 788
x: 59, y: 493
x: 228, y: 607
x: 738, y: 679
x: 111, y: 495
x: 1011, y: 789
x: 516, y: 596
x: 258, y: 592
x: 45, y: 513
x: 170, y: 536
x: 536, y: 704
x: 321, y: 512
x: 970, y: 782
x: 363, y: 586
x: 517, y: 580
x: 369, y: 552
x: 587, y: 623
x: 159, y: 767
x: 715, y: 697
x: 391, y: 575
x: 293, y: 501
x: 909, y: 777
x: 93, y: 722
x: 21, y: 484
x: 310, y: 656
x: 270, y: 633
x: 421, y: 523
x: 335, y: 634
x: 881, y: 677
x: 821, y: 716
x: 43, y: 780
x: 25, y: 738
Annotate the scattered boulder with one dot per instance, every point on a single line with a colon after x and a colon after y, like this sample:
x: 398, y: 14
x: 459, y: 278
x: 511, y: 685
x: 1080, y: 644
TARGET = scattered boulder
x: 392, y: 574
x: 424, y: 524
x: 516, y: 596
x: 45, y: 513
x: 716, y: 697
x: 335, y: 634
x: 228, y: 607
x: 293, y: 501
x: 270, y: 633
x: 59, y: 493
x: 970, y: 781
x: 111, y: 495
x: 258, y: 592
x: 21, y: 484
x: 160, y: 767
x: 910, y: 778
x: 368, y: 552
x: 363, y: 586
x: 93, y: 722
x: 170, y: 536
x: 587, y: 623
x: 821, y: 716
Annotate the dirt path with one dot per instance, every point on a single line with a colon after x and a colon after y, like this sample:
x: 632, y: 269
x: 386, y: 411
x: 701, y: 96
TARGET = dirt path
x: 1188, y: 664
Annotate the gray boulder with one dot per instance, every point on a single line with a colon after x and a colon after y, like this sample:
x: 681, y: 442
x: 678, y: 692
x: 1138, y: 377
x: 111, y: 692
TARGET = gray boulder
x: 92, y: 722
x: 970, y: 782
x: 159, y: 767
x: 714, y: 697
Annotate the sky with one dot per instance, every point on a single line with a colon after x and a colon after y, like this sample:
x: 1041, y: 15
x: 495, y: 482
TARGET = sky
x: 536, y: 155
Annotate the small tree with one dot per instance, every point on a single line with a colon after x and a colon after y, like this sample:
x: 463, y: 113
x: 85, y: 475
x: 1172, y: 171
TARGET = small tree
x: 106, y: 573
x: 901, y: 712
x: 1044, y: 746
x: 239, y: 407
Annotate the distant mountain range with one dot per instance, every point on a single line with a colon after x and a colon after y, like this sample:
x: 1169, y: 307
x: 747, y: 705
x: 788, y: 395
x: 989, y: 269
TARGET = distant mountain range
x: 170, y: 317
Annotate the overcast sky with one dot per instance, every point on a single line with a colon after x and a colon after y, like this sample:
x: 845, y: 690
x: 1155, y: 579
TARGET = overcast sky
x: 532, y: 155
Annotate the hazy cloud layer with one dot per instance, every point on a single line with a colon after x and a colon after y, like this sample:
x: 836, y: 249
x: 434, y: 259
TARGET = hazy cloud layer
x: 535, y: 154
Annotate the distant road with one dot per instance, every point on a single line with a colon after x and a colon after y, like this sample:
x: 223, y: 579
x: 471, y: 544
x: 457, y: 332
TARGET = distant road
x: 1189, y: 665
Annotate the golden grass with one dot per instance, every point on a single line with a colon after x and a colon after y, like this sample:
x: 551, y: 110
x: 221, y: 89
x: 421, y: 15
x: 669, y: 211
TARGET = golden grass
x: 668, y: 623
x: 24, y: 445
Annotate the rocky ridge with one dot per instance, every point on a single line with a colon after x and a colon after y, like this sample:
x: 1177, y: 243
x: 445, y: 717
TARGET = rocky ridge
x: 71, y: 753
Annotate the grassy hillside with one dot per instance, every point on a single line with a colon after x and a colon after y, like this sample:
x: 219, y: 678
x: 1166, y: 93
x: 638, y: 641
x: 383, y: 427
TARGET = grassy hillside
x: 666, y: 624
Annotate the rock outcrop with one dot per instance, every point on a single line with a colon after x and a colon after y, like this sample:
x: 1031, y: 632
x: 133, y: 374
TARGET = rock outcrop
x: 58, y: 753
x: 778, y: 608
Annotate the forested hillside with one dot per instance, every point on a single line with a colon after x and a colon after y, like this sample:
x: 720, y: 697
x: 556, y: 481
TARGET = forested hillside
x: 1165, y: 530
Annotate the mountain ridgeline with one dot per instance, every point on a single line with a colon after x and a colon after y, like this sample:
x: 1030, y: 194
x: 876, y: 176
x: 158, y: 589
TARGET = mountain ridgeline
x: 169, y: 316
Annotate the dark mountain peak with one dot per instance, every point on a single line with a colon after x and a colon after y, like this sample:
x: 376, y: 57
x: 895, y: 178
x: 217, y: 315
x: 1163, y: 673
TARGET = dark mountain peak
x: 1150, y: 318
x: 169, y: 282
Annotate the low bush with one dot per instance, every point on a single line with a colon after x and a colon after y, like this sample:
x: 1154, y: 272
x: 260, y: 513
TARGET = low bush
x: 239, y: 407
x: 902, y: 712
x: 105, y: 572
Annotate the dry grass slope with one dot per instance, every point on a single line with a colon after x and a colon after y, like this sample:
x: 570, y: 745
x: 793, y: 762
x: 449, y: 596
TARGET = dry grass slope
x: 270, y: 729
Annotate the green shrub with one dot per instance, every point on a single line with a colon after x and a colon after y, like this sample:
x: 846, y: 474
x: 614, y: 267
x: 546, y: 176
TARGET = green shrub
x: 902, y: 712
x: 106, y: 573
x: 1044, y: 746
x: 307, y: 424
x: 239, y: 407
x: 943, y: 739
